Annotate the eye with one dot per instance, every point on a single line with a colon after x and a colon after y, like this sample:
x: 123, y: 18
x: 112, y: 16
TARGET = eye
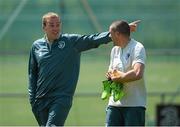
x: 57, y: 25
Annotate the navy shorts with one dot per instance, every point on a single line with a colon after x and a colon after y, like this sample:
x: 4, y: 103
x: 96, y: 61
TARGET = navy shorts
x: 125, y: 116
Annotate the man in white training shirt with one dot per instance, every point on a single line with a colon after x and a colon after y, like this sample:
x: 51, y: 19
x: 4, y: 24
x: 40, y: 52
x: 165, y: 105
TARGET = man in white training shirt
x: 128, y: 61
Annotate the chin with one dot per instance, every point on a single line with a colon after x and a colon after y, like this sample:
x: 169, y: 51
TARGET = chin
x: 56, y: 37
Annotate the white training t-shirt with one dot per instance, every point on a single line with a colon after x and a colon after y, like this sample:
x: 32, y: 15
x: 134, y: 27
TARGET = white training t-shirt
x: 123, y: 59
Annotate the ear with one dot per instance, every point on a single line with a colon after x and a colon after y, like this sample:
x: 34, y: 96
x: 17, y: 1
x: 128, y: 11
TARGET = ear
x: 44, y: 28
x: 117, y: 34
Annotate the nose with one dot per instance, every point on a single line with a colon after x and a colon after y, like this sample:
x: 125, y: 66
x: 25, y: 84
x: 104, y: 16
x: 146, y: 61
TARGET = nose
x: 56, y: 29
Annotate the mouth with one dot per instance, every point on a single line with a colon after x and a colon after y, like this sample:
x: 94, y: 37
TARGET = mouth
x: 55, y: 33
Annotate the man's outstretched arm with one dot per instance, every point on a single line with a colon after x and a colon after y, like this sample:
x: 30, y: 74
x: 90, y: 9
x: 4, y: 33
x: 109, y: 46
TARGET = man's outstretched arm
x: 86, y: 42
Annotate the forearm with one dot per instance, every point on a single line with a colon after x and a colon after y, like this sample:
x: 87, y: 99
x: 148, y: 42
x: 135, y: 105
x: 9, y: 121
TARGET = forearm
x: 130, y: 76
x: 32, y: 88
x: 135, y: 74
x: 94, y: 40
x: 32, y: 77
x: 101, y: 38
x: 86, y: 42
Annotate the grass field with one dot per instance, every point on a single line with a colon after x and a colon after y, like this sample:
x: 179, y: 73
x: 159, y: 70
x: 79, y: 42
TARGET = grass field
x: 162, y: 75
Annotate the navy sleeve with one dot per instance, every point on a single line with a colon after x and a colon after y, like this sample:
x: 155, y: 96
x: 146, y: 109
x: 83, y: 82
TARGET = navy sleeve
x: 32, y: 74
x: 86, y: 42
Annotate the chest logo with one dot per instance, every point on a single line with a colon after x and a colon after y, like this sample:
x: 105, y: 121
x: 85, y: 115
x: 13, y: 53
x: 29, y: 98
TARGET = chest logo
x: 61, y: 44
x: 127, y: 56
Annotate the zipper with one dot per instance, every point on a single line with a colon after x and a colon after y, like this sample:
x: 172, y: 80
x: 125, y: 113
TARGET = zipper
x: 49, y: 47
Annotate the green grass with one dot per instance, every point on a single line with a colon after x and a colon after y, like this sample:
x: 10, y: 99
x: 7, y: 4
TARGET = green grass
x: 15, y: 112
x: 162, y: 75
x: 13, y: 74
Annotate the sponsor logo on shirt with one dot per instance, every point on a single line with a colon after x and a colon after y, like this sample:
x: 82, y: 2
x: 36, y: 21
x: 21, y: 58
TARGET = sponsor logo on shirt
x: 61, y: 44
x: 127, y: 56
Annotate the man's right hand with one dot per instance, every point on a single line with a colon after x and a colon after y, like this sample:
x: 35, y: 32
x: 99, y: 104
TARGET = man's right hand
x: 133, y: 25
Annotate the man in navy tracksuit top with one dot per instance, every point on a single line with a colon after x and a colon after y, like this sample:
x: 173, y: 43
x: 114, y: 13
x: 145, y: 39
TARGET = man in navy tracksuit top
x: 54, y: 70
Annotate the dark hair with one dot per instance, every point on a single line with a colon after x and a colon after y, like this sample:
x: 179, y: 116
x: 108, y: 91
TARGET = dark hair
x: 121, y: 27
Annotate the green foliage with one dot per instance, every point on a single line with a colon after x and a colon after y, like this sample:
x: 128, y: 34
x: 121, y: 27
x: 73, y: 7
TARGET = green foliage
x: 112, y: 88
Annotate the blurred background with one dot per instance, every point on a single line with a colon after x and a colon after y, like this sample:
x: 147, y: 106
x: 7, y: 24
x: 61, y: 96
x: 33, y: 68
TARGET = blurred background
x: 159, y: 31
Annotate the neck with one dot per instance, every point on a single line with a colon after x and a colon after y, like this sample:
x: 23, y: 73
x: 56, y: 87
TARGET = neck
x: 49, y: 40
x: 123, y: 42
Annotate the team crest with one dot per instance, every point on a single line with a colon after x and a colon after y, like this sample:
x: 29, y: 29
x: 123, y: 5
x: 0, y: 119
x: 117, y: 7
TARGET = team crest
x: 61, y: 44
x: 127, y: 56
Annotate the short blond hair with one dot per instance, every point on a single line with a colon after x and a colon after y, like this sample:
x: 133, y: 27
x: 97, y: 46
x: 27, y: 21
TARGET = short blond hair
x: 48, y: 15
